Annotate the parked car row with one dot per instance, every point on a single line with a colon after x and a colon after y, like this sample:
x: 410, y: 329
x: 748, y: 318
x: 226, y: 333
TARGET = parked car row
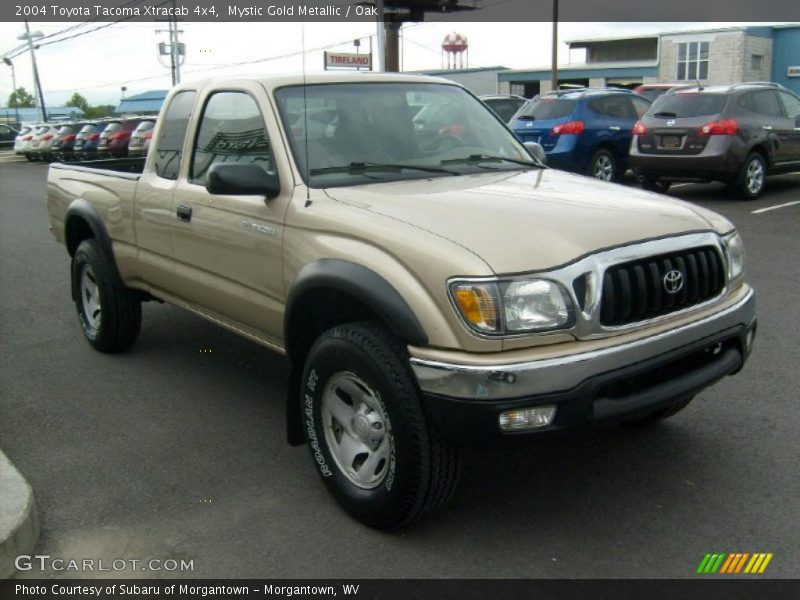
x: 735, y: 134
x: 85, y: 140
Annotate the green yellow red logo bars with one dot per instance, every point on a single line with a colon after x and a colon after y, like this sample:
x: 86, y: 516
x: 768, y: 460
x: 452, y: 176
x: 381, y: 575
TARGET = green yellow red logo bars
x: 735, y: 562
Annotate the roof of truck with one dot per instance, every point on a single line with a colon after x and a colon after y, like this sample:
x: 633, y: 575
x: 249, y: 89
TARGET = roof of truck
x: 276, y: 81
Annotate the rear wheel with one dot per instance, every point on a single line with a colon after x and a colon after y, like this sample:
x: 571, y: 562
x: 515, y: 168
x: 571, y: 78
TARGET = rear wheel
x: 752, y: 178
x: 603, y: 166
x: 367, y: 431
x: 110, y: 314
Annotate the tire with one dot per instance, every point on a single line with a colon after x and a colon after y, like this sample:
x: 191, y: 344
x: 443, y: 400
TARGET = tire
x: 752, y: 178
x: 110, y: 314
x: 364, y: 424
x: 663, y: 413
x: 660, y: 186
x: 603, y: 166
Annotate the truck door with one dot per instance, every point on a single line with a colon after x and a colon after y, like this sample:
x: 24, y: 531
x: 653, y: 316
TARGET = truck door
x: 153, y: 213
x: 228, y: 249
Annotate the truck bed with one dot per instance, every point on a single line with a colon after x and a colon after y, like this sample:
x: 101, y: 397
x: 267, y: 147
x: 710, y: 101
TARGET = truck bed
x: 111, y: 166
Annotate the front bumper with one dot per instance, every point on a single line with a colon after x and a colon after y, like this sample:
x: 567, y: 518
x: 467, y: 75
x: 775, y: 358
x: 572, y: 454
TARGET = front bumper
x: 604, y: 386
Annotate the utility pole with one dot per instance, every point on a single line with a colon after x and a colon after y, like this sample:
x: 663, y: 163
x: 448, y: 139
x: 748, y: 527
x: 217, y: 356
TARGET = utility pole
x: 173, y: 48
x: 381, y: 38
x: 176, y: 49
x: 14, y: 85
x: 554, y: 75
x: 36, y: 84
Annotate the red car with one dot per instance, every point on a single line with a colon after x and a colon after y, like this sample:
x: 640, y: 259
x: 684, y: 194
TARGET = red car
x: 116, y: 136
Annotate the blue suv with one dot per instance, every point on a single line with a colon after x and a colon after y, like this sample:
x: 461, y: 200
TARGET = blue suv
x: 583, y: 130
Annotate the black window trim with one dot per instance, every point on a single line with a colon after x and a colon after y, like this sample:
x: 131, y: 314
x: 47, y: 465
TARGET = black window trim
x: 189, y: 174
x: 154, y: 154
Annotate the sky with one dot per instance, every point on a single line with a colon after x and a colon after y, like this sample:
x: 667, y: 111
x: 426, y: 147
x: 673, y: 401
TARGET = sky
x: 98, y: 64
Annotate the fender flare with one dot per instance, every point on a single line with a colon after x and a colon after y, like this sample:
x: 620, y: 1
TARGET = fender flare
x: 364, y: 284
x: 359, y: 282
x: 83, y: 210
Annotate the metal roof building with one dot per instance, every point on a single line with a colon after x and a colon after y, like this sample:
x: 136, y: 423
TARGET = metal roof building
x: 142, y: 104
x: 32, y: 115
x: 712, y: 56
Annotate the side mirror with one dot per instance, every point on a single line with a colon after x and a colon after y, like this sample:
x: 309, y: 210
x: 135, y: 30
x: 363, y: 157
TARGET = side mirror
x: 536, y: 151
x: 241, y: 180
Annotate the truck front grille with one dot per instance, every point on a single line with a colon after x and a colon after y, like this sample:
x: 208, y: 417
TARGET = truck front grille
x: 658, y: 285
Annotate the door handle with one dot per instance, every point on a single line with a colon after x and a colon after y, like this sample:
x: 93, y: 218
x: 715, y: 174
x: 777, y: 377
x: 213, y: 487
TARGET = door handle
x: 614, y: 128
x: 767, y: 128
x: 184, y: 212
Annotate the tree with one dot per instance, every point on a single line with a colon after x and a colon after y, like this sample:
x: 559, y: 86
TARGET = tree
x: 98, y: 112
x: 19, y: 98
x: 78, y: 101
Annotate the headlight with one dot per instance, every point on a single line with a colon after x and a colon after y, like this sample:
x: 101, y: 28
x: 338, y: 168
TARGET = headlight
x: 509, y: 307
x: 734, y: 250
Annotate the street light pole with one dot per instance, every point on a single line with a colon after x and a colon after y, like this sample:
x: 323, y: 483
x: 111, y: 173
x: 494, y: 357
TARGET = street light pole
x: 554, y: 75
x: 36, y: 84
x: 14, y: 85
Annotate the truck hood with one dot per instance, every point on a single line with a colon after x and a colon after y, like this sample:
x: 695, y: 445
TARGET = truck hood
x: 526, y: 221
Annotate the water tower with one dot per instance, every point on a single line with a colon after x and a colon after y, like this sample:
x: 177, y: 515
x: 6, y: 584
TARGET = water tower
x: 456, y: 47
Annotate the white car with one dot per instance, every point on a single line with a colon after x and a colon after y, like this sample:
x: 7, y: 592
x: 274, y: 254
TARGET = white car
x: 42, y: 140
x: 23, y: 139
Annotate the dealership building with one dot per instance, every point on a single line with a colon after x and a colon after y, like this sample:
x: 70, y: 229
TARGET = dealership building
x: 712, y: 56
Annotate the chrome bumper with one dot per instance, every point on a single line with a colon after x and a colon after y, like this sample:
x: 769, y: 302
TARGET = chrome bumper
x: 564, y: 373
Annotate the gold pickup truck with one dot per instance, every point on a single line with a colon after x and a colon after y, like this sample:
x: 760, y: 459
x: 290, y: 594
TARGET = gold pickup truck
x: 433, y: 284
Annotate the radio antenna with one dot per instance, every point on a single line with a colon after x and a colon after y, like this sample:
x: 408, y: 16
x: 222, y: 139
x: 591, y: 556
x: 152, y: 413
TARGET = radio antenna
x: 305, y: 115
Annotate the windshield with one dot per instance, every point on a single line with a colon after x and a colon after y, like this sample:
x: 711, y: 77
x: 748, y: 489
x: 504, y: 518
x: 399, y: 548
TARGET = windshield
x: 543, y: 109
x: 65, y: 129
x: 112, y: 127
x: 683, y: 105
x: 352, y: 132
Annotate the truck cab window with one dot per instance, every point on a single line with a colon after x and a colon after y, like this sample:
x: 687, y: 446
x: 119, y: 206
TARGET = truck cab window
x: 232, y: 130
x: 169, y: 148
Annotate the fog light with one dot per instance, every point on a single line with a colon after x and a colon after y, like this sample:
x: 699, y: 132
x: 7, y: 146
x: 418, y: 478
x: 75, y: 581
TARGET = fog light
x: 527, y: 418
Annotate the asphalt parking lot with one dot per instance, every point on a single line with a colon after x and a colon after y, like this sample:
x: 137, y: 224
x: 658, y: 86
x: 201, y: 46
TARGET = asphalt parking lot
x: 176, y: 450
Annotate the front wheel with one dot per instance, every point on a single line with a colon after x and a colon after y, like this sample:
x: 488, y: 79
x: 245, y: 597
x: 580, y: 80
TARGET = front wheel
x: 110, y: 314
x: 367, y: 431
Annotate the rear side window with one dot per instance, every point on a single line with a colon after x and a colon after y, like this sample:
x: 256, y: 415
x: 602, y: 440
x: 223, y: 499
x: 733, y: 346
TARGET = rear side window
x: 763, y: 102
x: 543, y: 109
x: 791, y: 105
x: 169, y: 149
x: 232, y: 131
x: 616, y: 106
x: 145, y: 126
x: 505, y: 108
x: 640, y: 106
x: 688, y: 105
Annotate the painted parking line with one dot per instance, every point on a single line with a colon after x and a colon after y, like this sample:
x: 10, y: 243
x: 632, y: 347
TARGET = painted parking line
x: 776, y: 207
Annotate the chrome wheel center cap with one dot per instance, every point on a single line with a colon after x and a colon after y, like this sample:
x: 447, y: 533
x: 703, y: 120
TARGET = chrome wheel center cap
x: 368, y: 426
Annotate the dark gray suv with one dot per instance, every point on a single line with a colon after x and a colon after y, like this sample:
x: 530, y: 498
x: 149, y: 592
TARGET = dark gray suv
x: 735, y: 134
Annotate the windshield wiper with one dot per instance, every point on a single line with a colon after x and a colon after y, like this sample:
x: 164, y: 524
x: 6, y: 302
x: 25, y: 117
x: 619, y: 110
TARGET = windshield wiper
x: 665, y: 114
x: 526, y: 117
x: 362, y: 167
x: 478, y: 158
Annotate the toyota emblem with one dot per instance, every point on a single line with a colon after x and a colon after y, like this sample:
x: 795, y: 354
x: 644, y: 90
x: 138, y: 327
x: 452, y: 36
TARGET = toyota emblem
x: 673, y: 281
